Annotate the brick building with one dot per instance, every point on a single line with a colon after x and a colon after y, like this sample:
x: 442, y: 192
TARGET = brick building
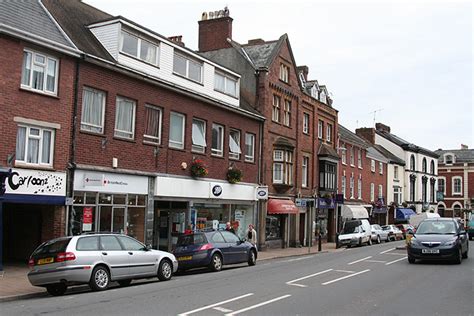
x: 293, y: 157
x: 455, y: 181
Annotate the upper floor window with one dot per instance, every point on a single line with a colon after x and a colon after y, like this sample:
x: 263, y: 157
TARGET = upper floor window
x: 380, y: 167
x: 125, y: 118
x: 424, y: 166
x: 320, y: 129
x: 442, y: 185
x: 217, y: 140
x: 225, y: 84
x: 359, y: 158
x: 343, y: 185
x: 39, y: 72
x: 177, y: 124
x: 329, y: 133
x: 457, y: 185
x: 359, y: 188
x: 322, y: 97
x: 412, y: 163
x: 327, y: 175
x: 344, y: 154
x: 432, y: 167
x: 395, y: 172
x: 448, y: 159
x: 352, y: 156
x: 93, y: 108
x: 139, y: 48
x: 234, y: 144
x: 304, y: 172
x: 153, y: 117
x: 287, y: 113
x: 283, y: 166
x: 276, y: 109
x: 351, y: 186
x: 380, y: 190
x: 306, y: 123
x: 35, y: 145
x: 249, y: 147
x: 187, y: 67
x: 199, y: 136
x: 284, y: 73
x: 372, y: 165
x: 372, y: 192
x: 314, y: 92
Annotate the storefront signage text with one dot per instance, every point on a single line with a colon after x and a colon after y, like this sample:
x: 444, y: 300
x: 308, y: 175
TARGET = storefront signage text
x: 216, y: 190
x: 36, y: 182
x: 87, y: 219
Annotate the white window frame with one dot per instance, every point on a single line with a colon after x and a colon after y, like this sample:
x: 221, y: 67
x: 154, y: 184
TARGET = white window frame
x: 352, y: 156
x: 45, y: 65
x: 226, y: 79
x: 177, y: 144
x: 304, y: 172
x: 359, y: 187
x: 343, y: 185
x: 284, y: 73
x: 305, y: 123
x: 397, y: 195
x: 395, y: 173
x: 444, y: 184
x: 40, y: 138
x: 139, y: 48
x: 278, y: 159
x: 372, y: 165
x: 446, y: 159
x: 380, y: 167
x: 351, y: 186
x: 218, y: 151
x: 234, y: 154
x: 359, y: 158
x: 276, y: 108
x: 150, y: 138
x: 87, y: 126
x: 454, y: 185
x: 344, y: 154
x: 249, y: 141
x: 320, y: 129
x: 329, y: 133
x: 196, y: 147
x: 287, y: 113
x: 372, y: 192
x: 188, y: 60
x: 119, y: 133
x: 288, y: 167
x: 380, y: 190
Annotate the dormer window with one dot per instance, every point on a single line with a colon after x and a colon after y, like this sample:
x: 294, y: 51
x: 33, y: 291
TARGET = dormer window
x: 225, y: 84
x: 284, y: 73
x: 322, y: 97
x: 314, y: 92
x: 138, y: 48
x: 448, y: 159
x: 187, y: 67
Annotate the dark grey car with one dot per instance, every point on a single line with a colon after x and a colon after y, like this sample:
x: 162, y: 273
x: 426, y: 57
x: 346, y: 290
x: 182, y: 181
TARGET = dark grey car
x: 438, y: 238
x: 96, y: 260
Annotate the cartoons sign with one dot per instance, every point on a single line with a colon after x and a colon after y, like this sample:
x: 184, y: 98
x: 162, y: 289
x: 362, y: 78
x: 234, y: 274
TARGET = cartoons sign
x: 36, y: 182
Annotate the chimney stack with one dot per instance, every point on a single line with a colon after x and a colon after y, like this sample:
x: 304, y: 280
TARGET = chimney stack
x: 366, y: 133
x: 382, y: 127
x: 464, y: 146
x: 255, y: 41
x: 215, y: 28
x: 177, y: 40
x: 304, y: 70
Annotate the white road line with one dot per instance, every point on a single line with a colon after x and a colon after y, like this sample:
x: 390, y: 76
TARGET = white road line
x: 258, y: 305
x: 345, y: 271
x: 215, y: 304
x: 376, y: 261
x: 396, y: 254
x: 359, y: 260
x: 296, y: 284
x: 298, y: 259
x: 222, y: 309
x: 345, y: 277
x: 387, y: 250
x: 308, y: 276
x: 389, y: 263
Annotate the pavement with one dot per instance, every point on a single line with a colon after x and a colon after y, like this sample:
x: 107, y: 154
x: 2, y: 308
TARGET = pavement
x: 14, y: 282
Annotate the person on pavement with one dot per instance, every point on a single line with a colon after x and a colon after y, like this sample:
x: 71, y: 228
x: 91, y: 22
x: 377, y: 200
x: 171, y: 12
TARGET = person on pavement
x: 252, y: 235
x: 229, y: 228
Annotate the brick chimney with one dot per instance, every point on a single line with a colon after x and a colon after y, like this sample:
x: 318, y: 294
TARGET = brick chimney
x: 366, y: 133
x: 255, y: 41
x: 382, y: 127
x: 304, y: 70
x: 214, y: 30
x: 177, y: 40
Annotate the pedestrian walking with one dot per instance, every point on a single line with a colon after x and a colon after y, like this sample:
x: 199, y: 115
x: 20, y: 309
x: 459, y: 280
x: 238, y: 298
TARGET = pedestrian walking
x: 252, y: 235
x: 229, y: 228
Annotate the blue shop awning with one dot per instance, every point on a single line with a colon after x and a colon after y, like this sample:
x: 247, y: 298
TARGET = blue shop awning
x: 404, y: 213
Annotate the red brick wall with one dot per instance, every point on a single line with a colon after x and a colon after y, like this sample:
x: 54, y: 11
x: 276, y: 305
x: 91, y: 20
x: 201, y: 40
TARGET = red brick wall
x: 213, y: 34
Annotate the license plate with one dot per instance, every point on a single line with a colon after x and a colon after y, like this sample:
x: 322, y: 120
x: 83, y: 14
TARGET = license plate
x: 429, y: 250
x: 46, y: 260
x: 185, y: 258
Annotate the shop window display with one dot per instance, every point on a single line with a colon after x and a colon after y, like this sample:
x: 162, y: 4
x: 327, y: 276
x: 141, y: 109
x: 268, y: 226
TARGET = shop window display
x: 273, y: 228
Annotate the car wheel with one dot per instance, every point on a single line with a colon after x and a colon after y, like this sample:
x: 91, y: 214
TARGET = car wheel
x: 458, y: 258
x: 100, y: 279
x: 123, y: 283
x: 411, y: 259
x: 360, y: 242
x: 216, y: 263
x: 369, y: 243
x: 165, y: 270
x: 56, y: 289
x: 464, y: 255
x: 378, y: 239
x: 252, y: 258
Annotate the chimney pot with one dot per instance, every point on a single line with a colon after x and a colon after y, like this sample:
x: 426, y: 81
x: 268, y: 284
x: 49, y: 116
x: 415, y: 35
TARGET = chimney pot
x: 214, y: 30
x: 382, y: 127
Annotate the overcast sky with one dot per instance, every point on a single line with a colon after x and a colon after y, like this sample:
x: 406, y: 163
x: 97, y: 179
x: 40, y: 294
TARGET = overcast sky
x: 411, y: 61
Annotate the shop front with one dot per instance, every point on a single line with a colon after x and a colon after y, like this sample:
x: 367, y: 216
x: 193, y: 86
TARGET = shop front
x: 183, y: 204
x: 33, y: 211
x: 109, y: 202
x: 280, y: 214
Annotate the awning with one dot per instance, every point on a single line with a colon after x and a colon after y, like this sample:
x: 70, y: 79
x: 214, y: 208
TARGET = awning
x: 277, y: 206
x: 354, y: 211
x: 404, y: 213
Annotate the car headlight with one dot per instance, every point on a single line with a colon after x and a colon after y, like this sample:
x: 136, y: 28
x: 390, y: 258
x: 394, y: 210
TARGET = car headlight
x: 450, y: 242
x: 413, y: 242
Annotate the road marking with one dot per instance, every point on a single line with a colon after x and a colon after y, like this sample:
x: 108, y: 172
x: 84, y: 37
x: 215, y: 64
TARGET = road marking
x: 222, y: 309
x: 359, y: 260
x: 215, y: 304
x: 376, y: 261
x: 396, y: 254
x: 306, y: 277
x: 258, y: 305
x: 298, y: 259
x: 345, y: 271
x: 389, y: 263
x: 387, y: 250
x: 345, y: 277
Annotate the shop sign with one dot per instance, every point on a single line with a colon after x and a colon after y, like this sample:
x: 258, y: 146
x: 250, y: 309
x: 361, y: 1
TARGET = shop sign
x: 216, y: 190
x: 262, y: 193
x: 324, y: 203
x: 110, y: 182
x: 36, y: 182
x: 87, y: 219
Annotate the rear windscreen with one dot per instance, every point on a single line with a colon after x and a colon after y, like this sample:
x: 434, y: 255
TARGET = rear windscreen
x: 195, y: 239
x: 52, y: 247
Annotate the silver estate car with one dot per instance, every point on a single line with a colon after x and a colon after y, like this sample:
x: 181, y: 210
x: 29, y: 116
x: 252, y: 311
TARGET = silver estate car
x: 96, y: 259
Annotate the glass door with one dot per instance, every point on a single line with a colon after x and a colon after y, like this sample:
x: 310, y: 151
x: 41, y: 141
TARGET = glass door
x: 118, y: 224
x: 112, y: 219
x: 105, y: 219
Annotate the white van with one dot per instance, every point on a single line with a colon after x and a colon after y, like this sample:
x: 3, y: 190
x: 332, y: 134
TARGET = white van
x: 355, y: 232
x: 415, y: 220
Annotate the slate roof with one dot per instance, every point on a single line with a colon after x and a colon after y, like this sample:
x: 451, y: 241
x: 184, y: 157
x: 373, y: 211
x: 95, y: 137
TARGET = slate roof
x: 262, y: 55
x: 405, y: 144
x: 30, y: 16
x: 327, y: 151
x: 461, y: 155
x: 349, y: 137
x: 391, y: 157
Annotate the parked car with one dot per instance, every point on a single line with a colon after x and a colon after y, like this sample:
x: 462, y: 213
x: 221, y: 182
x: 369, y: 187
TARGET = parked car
x: 405, y: 228
x: 393, y: 232
x: 96, y: 259
x: 440, y: 238
x: 378, y: 234
x: 470, y: 226
x: 213, y: 249
x: 355, y: 232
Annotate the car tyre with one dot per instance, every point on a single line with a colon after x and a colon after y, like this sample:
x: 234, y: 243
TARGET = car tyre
x: 458, y: 258
x: 369, y: 243
x: 411, y: 259
x: 252, y: 258
x: 378, y: 239
x: 464, y: 255
x: 124, y: 283
x: 165, y: 270
x: 216, y: 263
x: 56, y: 289
x: 360, y: 242
x: 100, y: 279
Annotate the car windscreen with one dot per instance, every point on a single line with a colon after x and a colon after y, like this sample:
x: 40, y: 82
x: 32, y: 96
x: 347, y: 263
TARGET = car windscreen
x: 350, y: 229
x: 436, y: 228
x: 194, y: 239
x: 52, y: 247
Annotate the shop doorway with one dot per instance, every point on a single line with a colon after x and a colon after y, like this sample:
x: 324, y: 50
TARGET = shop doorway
x: 112, y: 219
x: 170, y: 222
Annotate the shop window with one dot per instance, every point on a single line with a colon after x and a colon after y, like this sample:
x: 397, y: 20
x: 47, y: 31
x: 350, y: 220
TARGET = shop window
x: 105, y: 198
x: 136, y: 223
x: 273, y: 228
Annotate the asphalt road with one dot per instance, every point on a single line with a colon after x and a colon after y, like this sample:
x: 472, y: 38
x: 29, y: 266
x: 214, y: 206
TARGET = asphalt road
x: 375, y: 280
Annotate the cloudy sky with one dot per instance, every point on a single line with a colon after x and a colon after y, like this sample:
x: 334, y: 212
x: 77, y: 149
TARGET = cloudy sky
x: 410, y: 62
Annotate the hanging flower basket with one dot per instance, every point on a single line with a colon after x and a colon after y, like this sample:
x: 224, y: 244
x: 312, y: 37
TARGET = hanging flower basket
x: 198, y: 169
x: 234, y: 175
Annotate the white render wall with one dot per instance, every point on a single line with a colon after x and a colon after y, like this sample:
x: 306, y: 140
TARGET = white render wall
x: 109, y: 36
